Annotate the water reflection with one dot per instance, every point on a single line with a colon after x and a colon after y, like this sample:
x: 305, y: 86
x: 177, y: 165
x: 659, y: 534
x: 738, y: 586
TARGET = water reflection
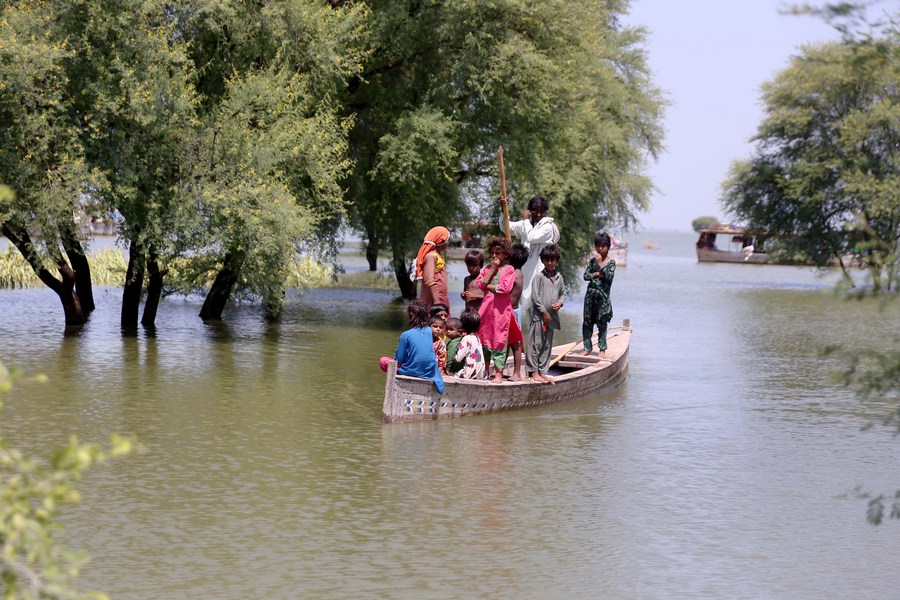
x: 714, y: 471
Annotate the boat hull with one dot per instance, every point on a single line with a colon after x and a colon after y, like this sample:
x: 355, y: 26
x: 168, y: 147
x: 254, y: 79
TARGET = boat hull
x: 709, y: 255
x: 414, y: 399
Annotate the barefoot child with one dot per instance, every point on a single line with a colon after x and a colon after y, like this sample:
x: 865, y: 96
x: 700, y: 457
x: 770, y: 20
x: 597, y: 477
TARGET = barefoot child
x: 471, y: 293
x: 498, y: 325
x: 547, y: 292
x: 597, y: 306
x: 469, y: 351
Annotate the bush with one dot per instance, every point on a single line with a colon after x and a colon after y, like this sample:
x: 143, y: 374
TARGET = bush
x: 703, y: 223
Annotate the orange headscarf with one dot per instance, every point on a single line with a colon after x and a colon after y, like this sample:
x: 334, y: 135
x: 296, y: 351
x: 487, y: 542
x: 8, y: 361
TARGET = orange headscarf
x: 436, y: 236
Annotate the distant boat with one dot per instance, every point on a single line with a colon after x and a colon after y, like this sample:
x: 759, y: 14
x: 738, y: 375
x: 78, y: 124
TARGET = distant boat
x: 650, y: 245
x: 575, y: 375
x: 730, y: 244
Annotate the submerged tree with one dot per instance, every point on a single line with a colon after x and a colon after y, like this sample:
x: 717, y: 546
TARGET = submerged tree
x: 130, y: 91
x: 270, y: 149
x: 826, y: 170
x: 562, y: 86
x: 41, y: 156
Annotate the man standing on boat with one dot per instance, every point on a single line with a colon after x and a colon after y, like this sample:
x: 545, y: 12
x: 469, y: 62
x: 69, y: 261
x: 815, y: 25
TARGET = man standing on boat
x: 536, y: 231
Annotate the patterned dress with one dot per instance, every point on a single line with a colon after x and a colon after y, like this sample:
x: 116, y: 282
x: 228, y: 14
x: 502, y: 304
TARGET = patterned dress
x: 469, y: 350
x: 597, y: 305
x: 440, y: 354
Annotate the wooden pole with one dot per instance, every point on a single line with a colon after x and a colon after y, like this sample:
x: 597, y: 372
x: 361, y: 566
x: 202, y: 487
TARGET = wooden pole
x: 503, y: 197
x: 562, y: 354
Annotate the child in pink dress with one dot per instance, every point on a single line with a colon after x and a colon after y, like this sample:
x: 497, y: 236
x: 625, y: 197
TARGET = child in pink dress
x: 499, y: 328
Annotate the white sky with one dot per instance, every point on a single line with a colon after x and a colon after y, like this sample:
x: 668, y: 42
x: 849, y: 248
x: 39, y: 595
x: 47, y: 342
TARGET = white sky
x: 710, y: 57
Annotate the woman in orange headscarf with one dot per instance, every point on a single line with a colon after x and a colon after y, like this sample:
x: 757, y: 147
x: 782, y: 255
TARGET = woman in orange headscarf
x: 430, y: 268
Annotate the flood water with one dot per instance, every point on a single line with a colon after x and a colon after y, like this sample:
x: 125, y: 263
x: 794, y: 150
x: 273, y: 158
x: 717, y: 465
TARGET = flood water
x: 724, y: 467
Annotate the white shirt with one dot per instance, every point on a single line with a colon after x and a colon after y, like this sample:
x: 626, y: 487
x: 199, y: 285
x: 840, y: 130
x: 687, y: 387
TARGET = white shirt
x: 533, y: 237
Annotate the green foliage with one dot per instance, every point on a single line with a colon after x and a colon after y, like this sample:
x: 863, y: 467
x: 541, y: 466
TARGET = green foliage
x: 107, y: 268
x: 826, y: 172
x: 194, y: 274
x: 32, y: 564
x: 561, y: 85
x: 41, y: 156
x: 703, y: 223
x: 270, y: 149
x: 209, y: 126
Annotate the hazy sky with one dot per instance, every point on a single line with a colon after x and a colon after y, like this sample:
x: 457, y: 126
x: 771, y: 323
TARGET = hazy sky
x: 711, y: 57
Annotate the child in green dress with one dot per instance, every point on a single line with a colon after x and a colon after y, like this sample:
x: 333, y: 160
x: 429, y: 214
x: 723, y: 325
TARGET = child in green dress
x: 454, y: 336
x: 597, y: 306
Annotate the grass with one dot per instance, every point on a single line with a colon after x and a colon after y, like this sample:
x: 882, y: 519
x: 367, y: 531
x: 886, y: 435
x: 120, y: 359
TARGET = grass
x: 107, y: 268
x: 372, y: 280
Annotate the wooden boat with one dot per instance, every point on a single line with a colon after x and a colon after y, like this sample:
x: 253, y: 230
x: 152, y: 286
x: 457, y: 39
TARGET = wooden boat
x: 414, y: 399
x: 730, y: 244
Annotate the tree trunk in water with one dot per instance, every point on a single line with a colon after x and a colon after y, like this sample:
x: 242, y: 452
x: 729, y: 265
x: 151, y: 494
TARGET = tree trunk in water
x: 64, y: 287
x: 68, y: 296
x: 221, y: 288
x: 79, y: 262
x: 154, y: 290
x: 407, y: 286
x: 134, y: 283
x: 372, y: 250
x: 274, y: 305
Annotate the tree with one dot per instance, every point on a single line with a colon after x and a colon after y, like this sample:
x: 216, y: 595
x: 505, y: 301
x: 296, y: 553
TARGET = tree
x: 130, y: 90
x: 562, y: 86
x: 826, y: 169
x: 833, y: 94
x: 703, y: 223
x: 41, y: 156
x: 32, y: 564
x: 270, y: 149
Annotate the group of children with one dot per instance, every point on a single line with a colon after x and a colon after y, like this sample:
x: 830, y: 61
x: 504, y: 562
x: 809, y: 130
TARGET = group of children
x: 477, y: 343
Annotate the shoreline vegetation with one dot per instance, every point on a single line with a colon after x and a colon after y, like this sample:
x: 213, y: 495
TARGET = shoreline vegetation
x: 108, y: 267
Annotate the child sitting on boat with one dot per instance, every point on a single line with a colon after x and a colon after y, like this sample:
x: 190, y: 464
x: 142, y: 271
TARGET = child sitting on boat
x: 499, y: 328
x: 597, y: 306
x: 547, y: 293
x: 440, y: 347
x: 455, y: 333
x: 415, y: 352
x: 468, y: 351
